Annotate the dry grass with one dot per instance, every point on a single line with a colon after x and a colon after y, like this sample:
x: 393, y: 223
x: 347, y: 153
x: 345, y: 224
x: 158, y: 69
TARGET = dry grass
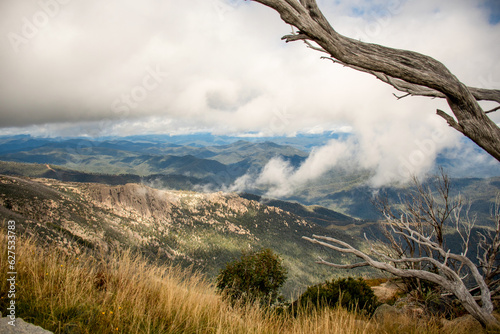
x: 124, y: 294
x: 375, y: 281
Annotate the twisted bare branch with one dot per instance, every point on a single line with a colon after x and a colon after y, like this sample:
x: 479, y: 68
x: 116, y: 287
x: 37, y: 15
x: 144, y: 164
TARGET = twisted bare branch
x: 407, y: 71
x: 416, y: 236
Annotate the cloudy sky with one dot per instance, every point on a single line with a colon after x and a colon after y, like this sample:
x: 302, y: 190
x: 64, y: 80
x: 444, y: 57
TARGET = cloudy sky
x: 122, y: 67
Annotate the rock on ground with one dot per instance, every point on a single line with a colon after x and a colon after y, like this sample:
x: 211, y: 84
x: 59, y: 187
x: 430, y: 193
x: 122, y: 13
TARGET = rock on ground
x: 384, y: 311
x: 386, y: 291
x: 21, y: 327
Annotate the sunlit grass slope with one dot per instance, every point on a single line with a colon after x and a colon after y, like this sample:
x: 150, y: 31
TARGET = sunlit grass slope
x: 122, y: 293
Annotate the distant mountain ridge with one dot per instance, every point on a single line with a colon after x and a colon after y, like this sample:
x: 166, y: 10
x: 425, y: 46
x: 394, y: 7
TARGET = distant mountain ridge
x: 123, y: 156
x: 316, y: 214
x: 319, y: 215
x: 209, y: 163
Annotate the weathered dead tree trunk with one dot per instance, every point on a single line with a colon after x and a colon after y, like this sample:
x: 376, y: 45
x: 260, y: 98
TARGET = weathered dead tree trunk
x: 407, y: 71
x: 417, y: 248
x: 447, y: 278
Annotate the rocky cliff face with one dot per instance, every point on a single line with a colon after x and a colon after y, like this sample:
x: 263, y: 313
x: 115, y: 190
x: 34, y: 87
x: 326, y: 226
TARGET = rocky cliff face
x: 201, y: 229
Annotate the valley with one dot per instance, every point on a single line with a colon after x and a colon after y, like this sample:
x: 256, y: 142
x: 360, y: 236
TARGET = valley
x: 203, y: 230
x: 174, y: 201
x: 208, y: 163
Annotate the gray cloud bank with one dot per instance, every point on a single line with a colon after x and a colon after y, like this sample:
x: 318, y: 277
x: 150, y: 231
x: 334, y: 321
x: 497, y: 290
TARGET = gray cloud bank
x: 126, y: 67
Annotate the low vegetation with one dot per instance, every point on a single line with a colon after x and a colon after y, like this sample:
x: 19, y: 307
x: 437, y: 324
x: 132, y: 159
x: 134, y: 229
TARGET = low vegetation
x: 353, y: 294
x: 122, y: 293
x: 255, y: 276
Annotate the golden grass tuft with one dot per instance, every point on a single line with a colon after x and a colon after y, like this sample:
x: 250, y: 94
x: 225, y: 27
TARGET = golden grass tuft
x: 122, y: 293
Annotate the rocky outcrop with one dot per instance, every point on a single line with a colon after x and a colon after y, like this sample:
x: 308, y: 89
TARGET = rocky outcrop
x: 205, y: 230
x: 20, y: 327
x: 386, y: 291
x: 144, y: 201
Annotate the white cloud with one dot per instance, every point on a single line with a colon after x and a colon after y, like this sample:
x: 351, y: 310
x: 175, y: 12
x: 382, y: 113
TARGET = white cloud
x: 388, y: 160
x: 226, y: 70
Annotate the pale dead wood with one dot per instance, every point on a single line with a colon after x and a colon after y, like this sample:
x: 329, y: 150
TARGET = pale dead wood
x: 417, y: 249
x: 407, y: 71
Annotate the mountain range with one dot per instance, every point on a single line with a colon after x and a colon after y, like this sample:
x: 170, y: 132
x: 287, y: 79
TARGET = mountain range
x: 202, y: 230
x: 205, y: 162
x: 162, y: 197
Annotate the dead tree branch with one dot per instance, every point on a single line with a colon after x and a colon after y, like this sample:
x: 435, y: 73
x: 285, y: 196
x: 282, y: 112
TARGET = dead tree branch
x: 417, y: 247
x: 407, y: 71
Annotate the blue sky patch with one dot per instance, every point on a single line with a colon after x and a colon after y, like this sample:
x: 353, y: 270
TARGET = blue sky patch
x: 494, y: 11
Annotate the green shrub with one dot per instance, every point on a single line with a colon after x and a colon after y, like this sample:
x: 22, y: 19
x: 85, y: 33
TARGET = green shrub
x: 352, y: 294
x: 255, y: 276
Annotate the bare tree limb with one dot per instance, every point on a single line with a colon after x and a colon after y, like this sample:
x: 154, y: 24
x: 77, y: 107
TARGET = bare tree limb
x: 416, y: 236
x: 447, y: 279
x: 492, y: 110
x: 407, y: 71
x: 418, y: 90
x: 343, y: 266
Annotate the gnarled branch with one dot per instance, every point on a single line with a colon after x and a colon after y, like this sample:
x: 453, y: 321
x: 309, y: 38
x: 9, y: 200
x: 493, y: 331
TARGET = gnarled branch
x: 417, y: 250
x: 447, y: 278
x: 408, y: 71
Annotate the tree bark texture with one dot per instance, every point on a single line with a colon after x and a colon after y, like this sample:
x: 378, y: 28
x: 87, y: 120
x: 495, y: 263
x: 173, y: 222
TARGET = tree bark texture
x: 408, y: 71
